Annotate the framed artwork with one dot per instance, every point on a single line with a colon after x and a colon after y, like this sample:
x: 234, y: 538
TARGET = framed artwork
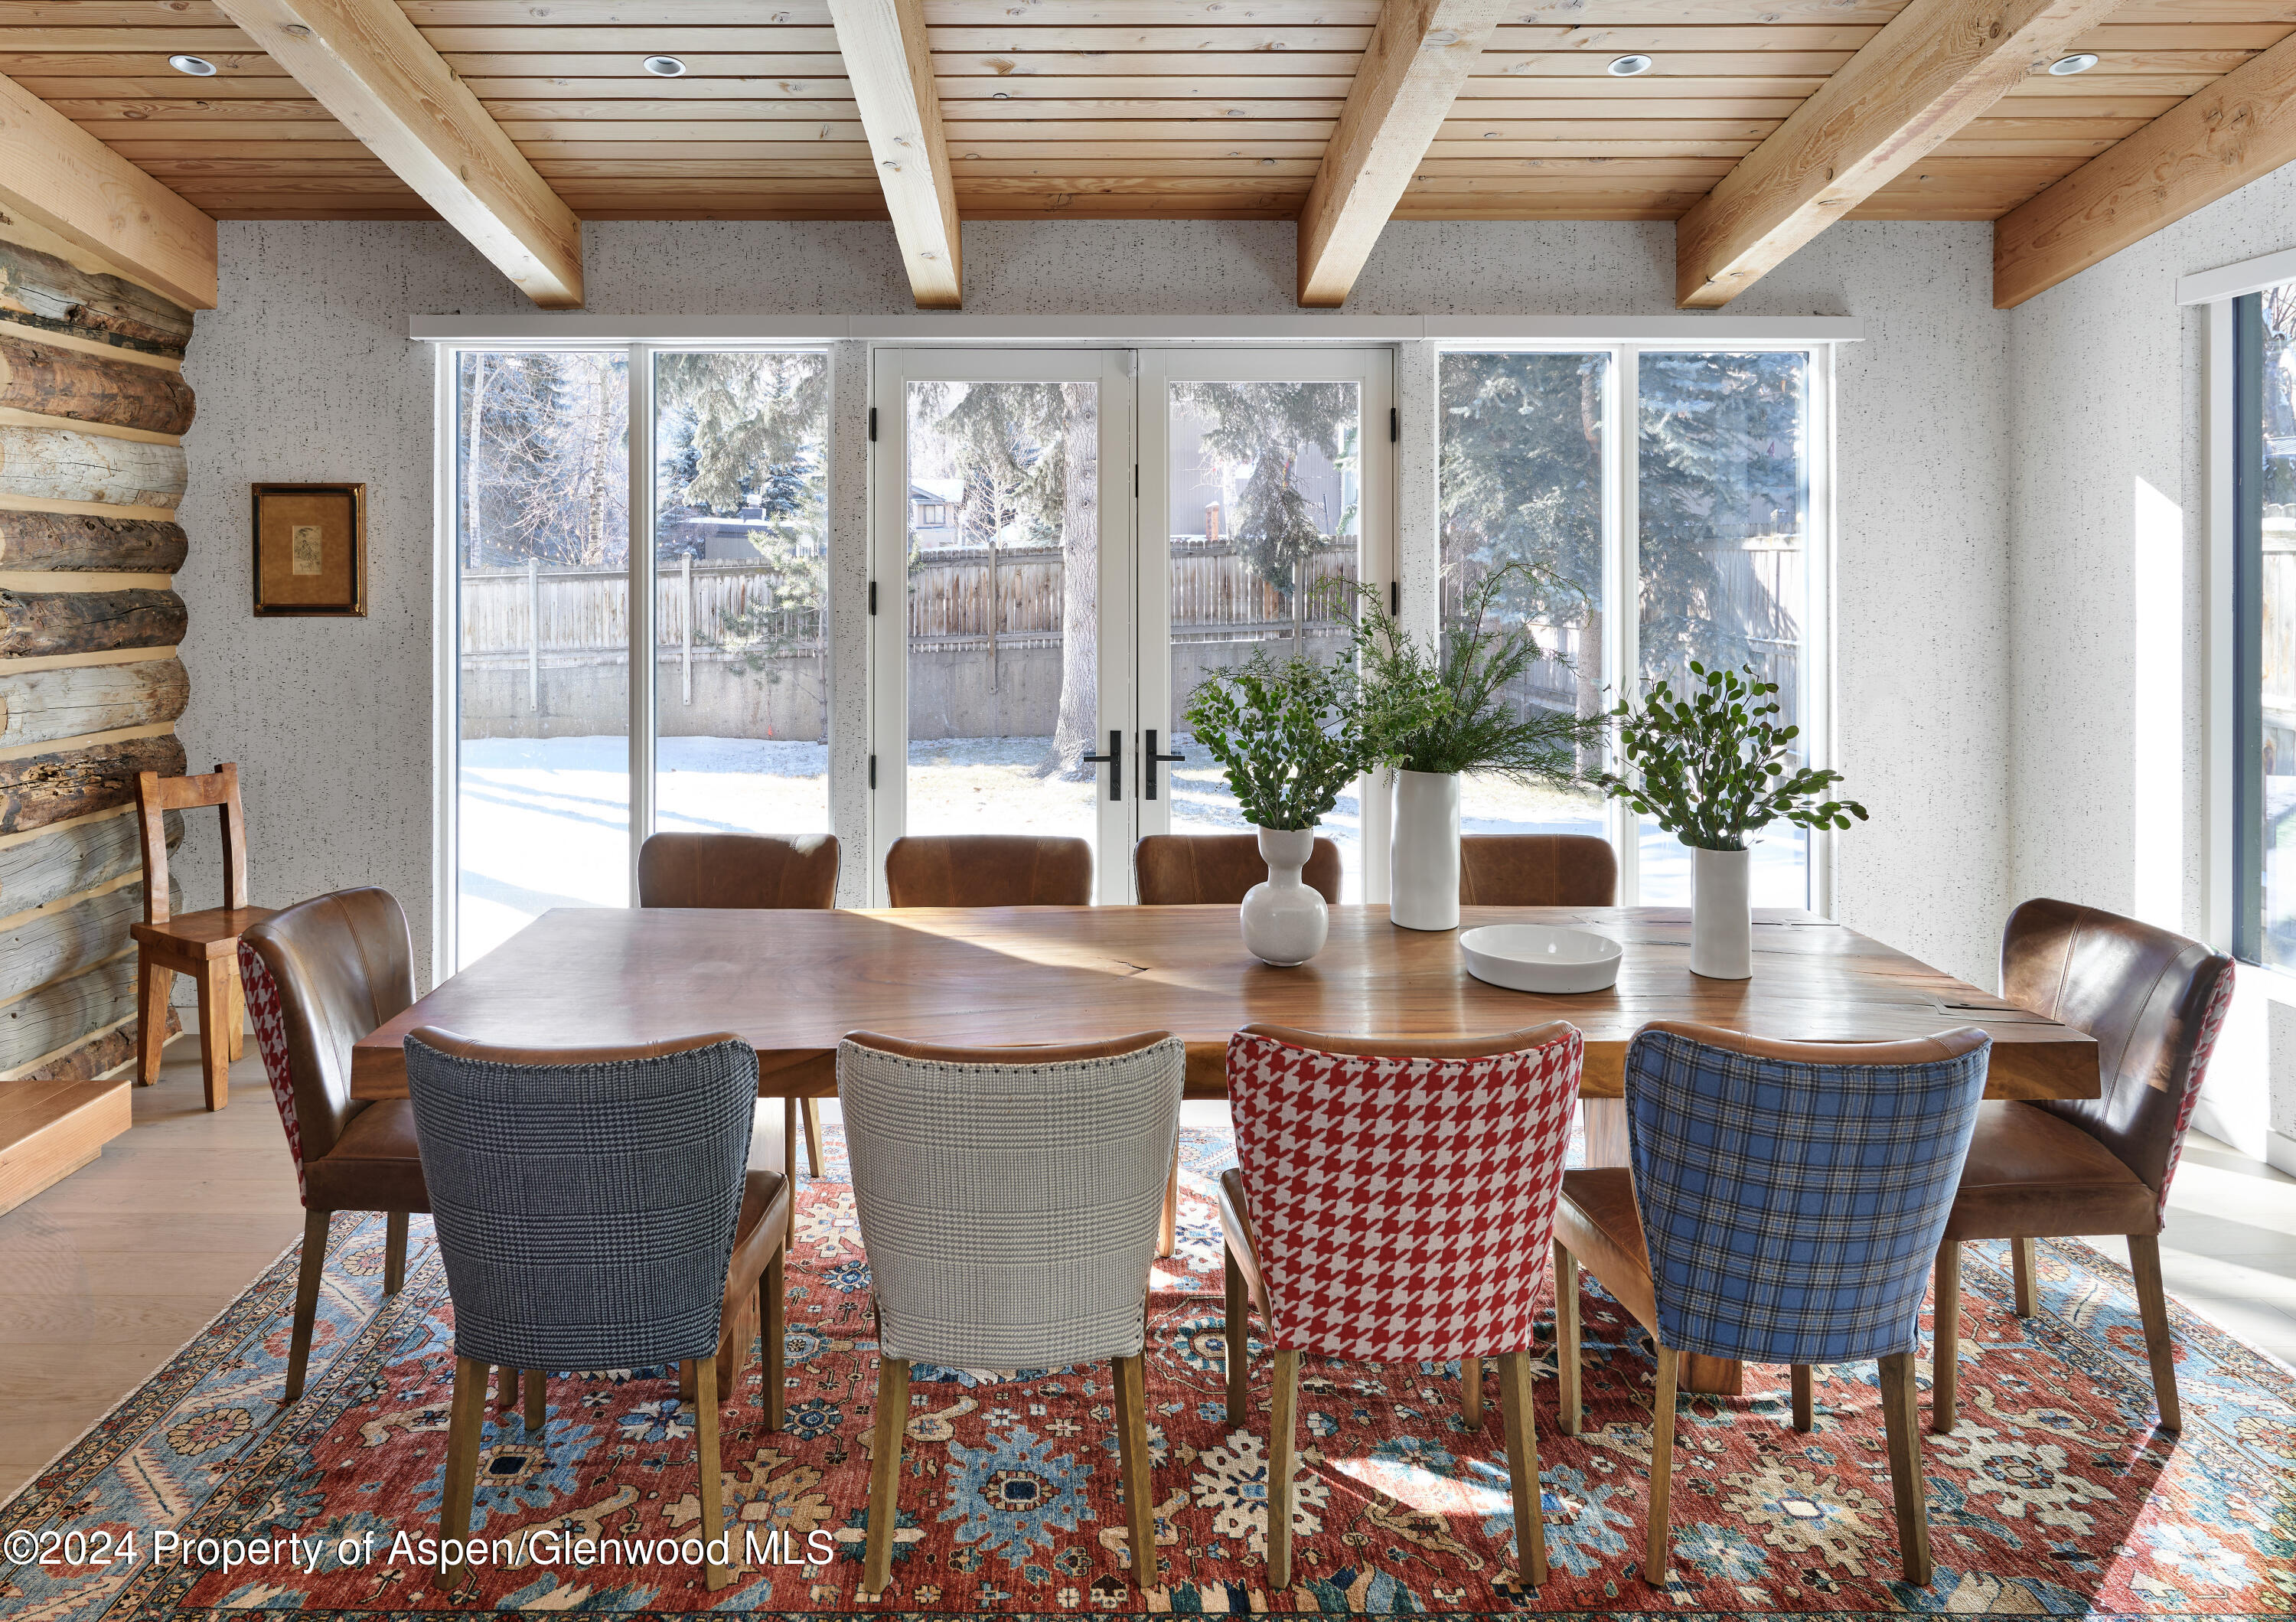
x: 310, y: 549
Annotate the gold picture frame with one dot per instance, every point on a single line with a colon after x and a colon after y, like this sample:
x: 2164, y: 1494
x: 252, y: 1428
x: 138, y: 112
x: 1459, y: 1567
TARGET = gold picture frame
x: 310, y: 549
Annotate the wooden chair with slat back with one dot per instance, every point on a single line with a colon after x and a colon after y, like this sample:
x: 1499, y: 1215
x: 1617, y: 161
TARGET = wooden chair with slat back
x: 203, y: 944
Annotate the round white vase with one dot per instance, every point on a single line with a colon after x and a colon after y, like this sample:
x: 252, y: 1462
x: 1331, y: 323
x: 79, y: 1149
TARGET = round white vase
x: 1285, y: 920
x: 1423, y: 851
x: 1721, y: 914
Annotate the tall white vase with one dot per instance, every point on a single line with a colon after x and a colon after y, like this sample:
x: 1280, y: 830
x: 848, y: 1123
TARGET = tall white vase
x: 1721, y: 914
x: 1423, y: 851
x: 1285, y: 920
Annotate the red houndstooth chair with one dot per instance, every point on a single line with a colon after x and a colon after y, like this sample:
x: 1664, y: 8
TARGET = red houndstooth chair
x: 1389, y: 1196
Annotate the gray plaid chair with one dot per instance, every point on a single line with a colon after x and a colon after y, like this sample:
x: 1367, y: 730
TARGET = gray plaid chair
x: 1009, y: 1202
x: 595, y: 1210
x: 1785, y: 1205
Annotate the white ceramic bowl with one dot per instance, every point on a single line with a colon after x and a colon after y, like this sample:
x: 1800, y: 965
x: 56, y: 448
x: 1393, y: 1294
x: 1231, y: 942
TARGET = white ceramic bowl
x: 1534, y: 957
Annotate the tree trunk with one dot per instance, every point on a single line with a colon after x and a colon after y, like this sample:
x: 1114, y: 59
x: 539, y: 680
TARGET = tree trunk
x: 33, y: 624
x: 60, y: 382
x: 594, y: 523
x: 44, y: 789
x: 42, y: 705
x: 77, y: 540
x: 1075, y: 732
x: 474, y: 544
x: 55, y: 294
x: 62, y: 464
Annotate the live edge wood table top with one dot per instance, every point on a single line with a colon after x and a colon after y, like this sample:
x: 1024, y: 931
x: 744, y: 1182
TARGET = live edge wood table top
x: 793, y: 983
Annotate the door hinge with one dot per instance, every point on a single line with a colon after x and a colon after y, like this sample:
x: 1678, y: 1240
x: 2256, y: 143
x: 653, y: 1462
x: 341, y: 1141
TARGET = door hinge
x: 873, y: 597
x: 873, y: 425
x: 1395, y: 597
x: 873, y: 770
x: 1394, y: 424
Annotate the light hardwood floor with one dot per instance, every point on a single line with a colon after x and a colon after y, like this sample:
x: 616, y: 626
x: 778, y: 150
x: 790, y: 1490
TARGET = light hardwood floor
x: 106, y: 1276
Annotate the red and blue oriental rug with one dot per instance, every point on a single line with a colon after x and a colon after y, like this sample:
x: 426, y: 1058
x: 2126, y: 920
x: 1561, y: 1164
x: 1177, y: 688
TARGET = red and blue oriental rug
x: 2054, y: 1497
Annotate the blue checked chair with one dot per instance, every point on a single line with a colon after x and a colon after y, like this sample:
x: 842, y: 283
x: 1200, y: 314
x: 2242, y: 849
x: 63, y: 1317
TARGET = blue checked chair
x: 1785, y: 1205
x: 1009, y: 1200
x: 595, y: 1210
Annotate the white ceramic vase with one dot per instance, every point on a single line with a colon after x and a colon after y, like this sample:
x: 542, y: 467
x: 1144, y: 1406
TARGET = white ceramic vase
x: 1721, y: 914
x: 1423, y: 851
x: 1285, y: 920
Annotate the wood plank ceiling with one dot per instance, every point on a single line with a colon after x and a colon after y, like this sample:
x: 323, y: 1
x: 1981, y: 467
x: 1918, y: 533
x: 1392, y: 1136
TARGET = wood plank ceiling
x: 1083, y: 108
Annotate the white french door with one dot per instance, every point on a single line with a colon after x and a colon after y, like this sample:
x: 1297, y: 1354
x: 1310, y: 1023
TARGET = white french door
x: 1064, y: 536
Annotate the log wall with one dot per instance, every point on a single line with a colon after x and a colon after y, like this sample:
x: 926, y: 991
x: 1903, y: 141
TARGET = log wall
x: 93, y: 406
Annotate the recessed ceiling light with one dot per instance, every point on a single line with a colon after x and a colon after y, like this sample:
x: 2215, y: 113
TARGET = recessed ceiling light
x: 198, y: 67
x: 1630, y: 66
x: 665, y: 67
x: 2079, y: 62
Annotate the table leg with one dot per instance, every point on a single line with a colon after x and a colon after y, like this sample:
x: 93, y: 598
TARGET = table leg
x: 1606, y: 1145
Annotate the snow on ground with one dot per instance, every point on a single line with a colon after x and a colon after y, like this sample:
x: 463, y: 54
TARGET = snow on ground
x: 545, y: 820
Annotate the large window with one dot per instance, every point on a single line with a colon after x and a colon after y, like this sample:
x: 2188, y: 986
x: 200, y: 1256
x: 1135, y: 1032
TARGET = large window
x: 2264, y: 510
x: 1539, y: 475
x: 557, y: 760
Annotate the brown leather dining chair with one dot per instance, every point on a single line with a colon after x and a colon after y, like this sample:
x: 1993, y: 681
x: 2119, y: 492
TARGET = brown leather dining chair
x: 204, y: 944
x: 2062, y: 1167
x: 1217, y: 869
x: 319, y: 977
x: 1537, y: 869
x: 988, y: 870
x: 760, y: 872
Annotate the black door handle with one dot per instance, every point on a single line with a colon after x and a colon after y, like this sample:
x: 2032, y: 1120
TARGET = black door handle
x: 1148, y: 759
x: 1115, y: 760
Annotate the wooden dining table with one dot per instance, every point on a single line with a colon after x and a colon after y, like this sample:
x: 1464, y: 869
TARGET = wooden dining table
x: 793, y: 983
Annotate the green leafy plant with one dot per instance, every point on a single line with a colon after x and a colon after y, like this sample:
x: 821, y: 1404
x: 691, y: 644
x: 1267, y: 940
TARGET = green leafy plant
x: 1451, y: 707
x: 1286, y: 734
x: 1711, y: 766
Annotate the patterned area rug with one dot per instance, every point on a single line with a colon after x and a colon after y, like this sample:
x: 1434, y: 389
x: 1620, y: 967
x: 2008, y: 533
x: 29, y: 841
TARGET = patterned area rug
x: 2055, y: 1497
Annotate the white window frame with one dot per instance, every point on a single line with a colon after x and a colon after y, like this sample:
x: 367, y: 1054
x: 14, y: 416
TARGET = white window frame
x: 1621, y: 560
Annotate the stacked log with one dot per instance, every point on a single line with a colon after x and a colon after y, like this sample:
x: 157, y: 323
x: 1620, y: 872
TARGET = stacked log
x: 93, y: 406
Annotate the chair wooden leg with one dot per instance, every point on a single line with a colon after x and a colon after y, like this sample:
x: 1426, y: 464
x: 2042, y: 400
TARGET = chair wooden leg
x: 236, y: 1006
x: 2160, y: 1344
x: 1945, y: 1341
x: 1283, y: 1491
x: 1522, y: 1466
x: 1238, y: 1329
x: 307, y: 1299
x: 215, y: 1033
x: 156, y: 984
x: 788, y: 1163
x: 885, y: 1471
x: 1658, y: 1547
x: 1901, y: 1421
x: 2021, y: 1262
x: 464, y: 1420
x: 1168, y: 1231
x: 394, y: 1252
x: 1566, y: 1336
x: 1132, y: 1459
x: 713, y: 1470
x: 1471, y: 1392
x: 538, y: 1401
x: 505, y: 1389
x: 773, y: 1292
x: 1804, y: 1407
x: 811, y: 1110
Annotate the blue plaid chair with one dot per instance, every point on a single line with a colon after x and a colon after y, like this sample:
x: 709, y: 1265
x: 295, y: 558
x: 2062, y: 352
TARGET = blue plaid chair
x: 1785, y: 1205
x: 595, y: 1210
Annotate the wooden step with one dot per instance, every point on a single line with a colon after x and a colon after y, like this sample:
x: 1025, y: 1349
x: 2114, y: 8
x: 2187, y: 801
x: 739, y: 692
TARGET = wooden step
x: 50, y: 1129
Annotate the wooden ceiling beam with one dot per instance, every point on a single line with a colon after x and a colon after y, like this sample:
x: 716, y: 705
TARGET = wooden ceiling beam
x: 890, y: 69
x: 59, y: 177
x: 2239, y: 129
x: 1421, y: 52
x: 1932, y: 69
x: 366, y: 63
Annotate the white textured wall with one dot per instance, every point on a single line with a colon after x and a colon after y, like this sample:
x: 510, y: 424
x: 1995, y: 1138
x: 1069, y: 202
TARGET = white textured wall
x: 2106, y: 727
x: 304, y: 371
